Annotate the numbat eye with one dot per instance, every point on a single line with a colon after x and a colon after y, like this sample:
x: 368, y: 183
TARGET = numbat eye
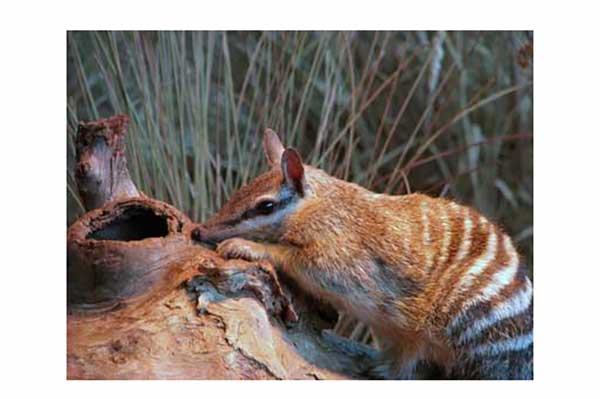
x: 265, y: 207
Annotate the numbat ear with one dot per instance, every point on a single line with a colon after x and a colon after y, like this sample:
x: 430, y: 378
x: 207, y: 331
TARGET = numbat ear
x: 273, y: 147
x: 293, y: 170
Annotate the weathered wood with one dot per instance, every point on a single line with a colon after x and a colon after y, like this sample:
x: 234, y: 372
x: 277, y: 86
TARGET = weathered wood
x: 101, y: 169
x: 145, y: 301
x: 123, y: 248
x: 211, y: 328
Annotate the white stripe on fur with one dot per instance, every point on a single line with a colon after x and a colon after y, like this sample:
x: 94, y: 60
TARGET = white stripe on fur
x: 475, y: 270
x: 501, y: 278
x: 481, y: 263
x: 465, y: 244
x: 496, y: 348
x: 447, y: 236
x: 426, y: 236
x: 513, y: 306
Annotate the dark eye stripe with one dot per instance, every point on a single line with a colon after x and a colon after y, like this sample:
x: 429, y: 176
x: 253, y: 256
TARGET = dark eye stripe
x: 251, y: 213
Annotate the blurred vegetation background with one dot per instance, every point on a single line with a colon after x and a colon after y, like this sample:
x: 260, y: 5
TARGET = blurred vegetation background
x: 444, y: 113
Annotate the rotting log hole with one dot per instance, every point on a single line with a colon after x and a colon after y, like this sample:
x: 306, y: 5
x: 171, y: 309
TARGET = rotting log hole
x: 135, y: 223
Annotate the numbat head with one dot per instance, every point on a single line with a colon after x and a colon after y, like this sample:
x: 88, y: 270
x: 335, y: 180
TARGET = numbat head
x: 257, y: 211
x: 436, y: 281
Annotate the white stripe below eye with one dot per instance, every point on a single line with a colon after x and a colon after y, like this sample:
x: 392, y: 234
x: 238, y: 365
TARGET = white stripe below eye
x: 511, y: 307
x: 496, y: 348
x: 265, y: 220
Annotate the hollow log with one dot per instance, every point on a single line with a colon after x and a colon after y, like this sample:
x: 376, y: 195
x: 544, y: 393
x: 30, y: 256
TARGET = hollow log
x: 146, y: 302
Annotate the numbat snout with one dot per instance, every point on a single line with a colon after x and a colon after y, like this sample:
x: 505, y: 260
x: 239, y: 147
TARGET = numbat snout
x: 436, y: 281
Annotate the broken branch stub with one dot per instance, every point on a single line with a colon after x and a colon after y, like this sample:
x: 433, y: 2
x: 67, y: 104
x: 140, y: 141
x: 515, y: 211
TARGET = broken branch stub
x: 101, y: 165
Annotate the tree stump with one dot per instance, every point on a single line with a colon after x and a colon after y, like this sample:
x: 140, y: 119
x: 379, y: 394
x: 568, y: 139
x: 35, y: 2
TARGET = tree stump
x: 146, y: 302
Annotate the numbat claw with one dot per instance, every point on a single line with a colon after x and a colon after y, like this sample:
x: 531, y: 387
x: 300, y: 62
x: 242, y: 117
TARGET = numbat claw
x: 238, y: 248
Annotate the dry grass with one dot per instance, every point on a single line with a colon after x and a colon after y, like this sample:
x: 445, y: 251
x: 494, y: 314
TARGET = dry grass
x: 449, y: 113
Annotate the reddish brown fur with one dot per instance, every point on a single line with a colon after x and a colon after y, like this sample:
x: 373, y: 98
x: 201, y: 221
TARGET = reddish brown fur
x: 369, y: 254
x: 238, y: 202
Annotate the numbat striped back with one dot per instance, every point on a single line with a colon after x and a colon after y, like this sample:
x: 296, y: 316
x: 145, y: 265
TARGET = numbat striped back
x: 476, y: 304
x: 436, y: 281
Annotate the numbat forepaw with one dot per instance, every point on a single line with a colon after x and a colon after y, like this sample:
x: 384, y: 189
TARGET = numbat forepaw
x: 238, y: 248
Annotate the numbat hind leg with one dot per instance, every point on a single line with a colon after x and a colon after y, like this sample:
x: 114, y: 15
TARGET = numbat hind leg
x: 397, y: 362
x: 390, y: 367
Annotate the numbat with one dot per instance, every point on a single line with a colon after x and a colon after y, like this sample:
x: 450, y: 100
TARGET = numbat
x: 436, y: 281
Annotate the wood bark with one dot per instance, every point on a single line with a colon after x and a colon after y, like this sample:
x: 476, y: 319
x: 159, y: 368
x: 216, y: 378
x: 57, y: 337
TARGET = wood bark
x: 146, y: 302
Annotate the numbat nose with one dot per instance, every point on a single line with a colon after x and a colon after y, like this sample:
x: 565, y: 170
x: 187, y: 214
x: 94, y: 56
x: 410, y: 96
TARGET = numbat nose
x: 198, y: 234
x: 205, y: 235
x: 201, y: 234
